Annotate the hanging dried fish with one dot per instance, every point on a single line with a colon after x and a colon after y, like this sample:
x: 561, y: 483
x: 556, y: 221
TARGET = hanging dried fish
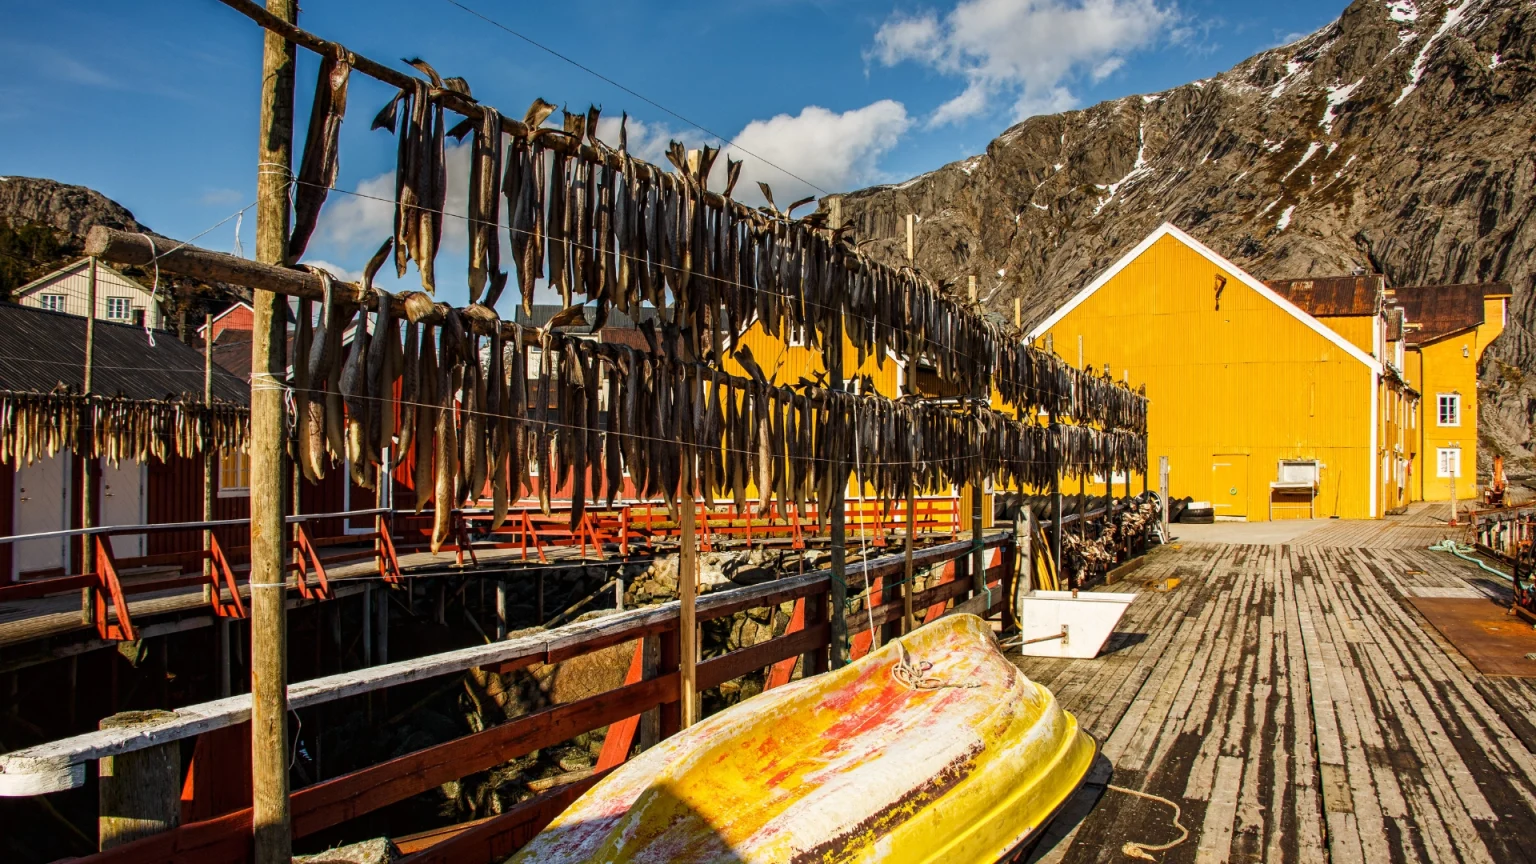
x: 426, y: 420
x: 354, y: 392
x: 485, y: 211
x: 299, y: 363
x: 317, y: 170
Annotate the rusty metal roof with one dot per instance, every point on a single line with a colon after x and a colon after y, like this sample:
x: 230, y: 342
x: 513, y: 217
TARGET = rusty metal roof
x: 40, y: 350
x: 1437, y: 311
x: 1333, y: 295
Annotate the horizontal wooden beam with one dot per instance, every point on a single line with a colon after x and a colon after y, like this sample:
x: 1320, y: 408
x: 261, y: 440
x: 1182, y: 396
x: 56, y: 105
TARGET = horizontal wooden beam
x: 718, y: 670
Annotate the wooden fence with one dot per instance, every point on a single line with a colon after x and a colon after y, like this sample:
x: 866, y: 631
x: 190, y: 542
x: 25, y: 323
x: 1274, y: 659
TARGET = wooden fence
x: 222, y: 831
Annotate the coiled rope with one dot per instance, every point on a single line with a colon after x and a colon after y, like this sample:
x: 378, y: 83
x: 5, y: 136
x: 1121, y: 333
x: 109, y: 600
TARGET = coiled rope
x: 1142, y: 851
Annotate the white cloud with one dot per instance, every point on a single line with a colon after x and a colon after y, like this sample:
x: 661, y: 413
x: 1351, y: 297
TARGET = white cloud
x: 336, y: 270
x: 646, y: 141
x: 365, y: 219
x: 1028, y: 50
x: 826, y: 149
x: 833, y: 151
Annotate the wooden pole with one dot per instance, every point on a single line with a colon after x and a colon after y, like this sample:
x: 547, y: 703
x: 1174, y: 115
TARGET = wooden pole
x: 978, y: 554
x: 687, y: 578
x: 140, y: 791
x: 88, y: 485
x: 909, y: 583
x: 367, y: 624
x: 271, y: 832
x: 1162, y: 491
x: 1056, y: 519
x: 837, y: 522
x: 381, y: 627
x: 908, y: 619
x: 501, y: 609
x: 210, y: 463
x: 1018, y: 313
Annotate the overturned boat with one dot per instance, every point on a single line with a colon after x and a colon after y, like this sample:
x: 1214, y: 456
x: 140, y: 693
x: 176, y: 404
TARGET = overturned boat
x: 933, y: 748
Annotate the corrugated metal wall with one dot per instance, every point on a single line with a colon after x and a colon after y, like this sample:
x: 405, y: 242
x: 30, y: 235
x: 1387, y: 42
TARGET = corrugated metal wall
x: 7, y: 516
x: 1441, y: 368
x: 175, y: 494
x: 1228, y: 372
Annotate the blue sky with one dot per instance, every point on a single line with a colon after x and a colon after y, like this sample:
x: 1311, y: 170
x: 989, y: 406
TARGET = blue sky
x: 154, y: 103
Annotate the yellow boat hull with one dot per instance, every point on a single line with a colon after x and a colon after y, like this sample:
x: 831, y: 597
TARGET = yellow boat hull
x: 851, y: 766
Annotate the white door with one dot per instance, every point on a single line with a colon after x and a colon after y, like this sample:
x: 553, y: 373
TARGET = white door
x: 122, y: 503
x: 42, y: 504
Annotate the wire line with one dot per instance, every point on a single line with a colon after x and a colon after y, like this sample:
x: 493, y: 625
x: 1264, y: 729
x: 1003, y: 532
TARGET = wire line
x: 652, y: 102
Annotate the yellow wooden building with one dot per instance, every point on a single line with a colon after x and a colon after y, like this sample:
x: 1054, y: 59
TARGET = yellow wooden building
x: 1433, y: 336
x: 1247, y: 391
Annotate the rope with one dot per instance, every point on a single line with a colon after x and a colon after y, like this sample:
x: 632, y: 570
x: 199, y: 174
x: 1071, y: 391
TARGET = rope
x: 915, y: 675
x: 869, y: 599
x: 1132, y: 849
x: 154, y: 290
x: 1460, y: 550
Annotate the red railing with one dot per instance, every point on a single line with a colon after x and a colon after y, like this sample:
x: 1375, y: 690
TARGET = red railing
x: 527, y: 530
x: 225, y: 836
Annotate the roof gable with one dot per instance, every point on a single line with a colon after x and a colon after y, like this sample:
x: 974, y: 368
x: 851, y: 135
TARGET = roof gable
x: 238, y: 304
x: 103, y: 269
x: 1168, y: 229
x: 1437, y: 311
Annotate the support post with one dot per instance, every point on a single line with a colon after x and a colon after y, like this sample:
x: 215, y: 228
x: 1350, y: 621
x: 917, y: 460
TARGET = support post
x: 91, y: 465
x: 1056, y: 515
x: 908, y: 621
x: 832, y: 357
x: 225, y: 660
x: 978, y: 484
x: 140, y: 791
x: 367, y: 625
x: 270, y: 824
x: 210, y: 460
x: 501, y: 609
x: 687, y: 578
x: 1162, y: 491
x: 381, y: 626
x: 908, y: 584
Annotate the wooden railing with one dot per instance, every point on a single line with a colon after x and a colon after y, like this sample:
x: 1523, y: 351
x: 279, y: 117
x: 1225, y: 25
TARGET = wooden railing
x: 225, y: 836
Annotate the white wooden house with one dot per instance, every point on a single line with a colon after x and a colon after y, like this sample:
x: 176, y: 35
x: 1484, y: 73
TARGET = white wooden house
x: 67, y: 290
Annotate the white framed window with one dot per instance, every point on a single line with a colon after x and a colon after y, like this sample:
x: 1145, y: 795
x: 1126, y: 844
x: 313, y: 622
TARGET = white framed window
x: 1448, y: 462
x: 1448, y: 409
x: 52, y: 302
x: 235, y: 475
x: 119, y: 308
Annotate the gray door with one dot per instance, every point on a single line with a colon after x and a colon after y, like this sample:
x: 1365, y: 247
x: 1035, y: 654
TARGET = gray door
x: 42, y: 504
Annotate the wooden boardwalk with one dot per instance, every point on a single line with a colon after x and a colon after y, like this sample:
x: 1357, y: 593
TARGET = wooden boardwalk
x: 1297, y: 708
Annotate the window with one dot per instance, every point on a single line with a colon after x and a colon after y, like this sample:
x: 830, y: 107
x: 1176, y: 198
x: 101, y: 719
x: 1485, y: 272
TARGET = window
x: 118, y: 309
x: 234, y: 475
x: 1449, y: 411
x: 52, y: 302
x: 1448, y: 462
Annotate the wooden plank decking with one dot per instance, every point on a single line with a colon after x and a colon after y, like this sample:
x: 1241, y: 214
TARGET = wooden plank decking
x: 1297, y: 708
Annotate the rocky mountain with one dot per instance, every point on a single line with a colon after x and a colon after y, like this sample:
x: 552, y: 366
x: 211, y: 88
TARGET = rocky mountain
x: 60, y: 206
x: 43, y: 225
x: 1399, y: 139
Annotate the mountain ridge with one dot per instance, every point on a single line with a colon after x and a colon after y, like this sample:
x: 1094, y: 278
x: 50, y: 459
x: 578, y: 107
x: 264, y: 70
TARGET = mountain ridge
x: 1397, y: 139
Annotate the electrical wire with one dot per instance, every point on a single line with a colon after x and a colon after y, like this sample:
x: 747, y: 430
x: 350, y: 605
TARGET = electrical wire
x: 648, y: 100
